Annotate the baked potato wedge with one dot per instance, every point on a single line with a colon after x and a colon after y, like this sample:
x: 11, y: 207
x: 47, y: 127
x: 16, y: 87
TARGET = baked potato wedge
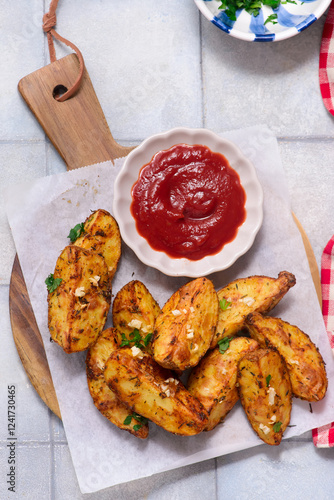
x: 265, y: 393
x: 246, y: 295
x: 185, y: 327
x: 101, y: 234
x: 105, y: 398
x: 304, y: 362
x: 153, y: 392
x: 135, y: 308
x: 213, y: 380
x: 78, y: 307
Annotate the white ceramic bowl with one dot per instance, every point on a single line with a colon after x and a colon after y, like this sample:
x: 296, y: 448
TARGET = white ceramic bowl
x: 291, y: 19
x: 129, y: 173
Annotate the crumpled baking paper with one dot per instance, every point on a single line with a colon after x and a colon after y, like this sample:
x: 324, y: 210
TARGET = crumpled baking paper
x: 42, y: 212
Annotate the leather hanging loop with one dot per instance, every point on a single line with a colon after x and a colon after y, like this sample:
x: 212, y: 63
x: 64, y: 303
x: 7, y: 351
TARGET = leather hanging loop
x: 49, y: 23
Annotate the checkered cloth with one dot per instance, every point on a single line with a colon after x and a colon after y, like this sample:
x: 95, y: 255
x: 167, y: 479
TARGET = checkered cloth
x: 326, y: 61
x: 323, y: 437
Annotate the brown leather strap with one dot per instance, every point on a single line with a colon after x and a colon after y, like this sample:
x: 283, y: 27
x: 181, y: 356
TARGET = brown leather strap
x: 49, y: 22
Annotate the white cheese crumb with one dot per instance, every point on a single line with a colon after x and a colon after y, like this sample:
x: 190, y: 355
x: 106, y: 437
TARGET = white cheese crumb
x: 185, y: 311
x: 164, y: 387
x: 223, y: 371
x: 95, y: 281
x: 190, y: 335
x: 272, y: 419
x: 195, y: 347
x: 135, y: 323
x: 249, y: 301
x: 176, y: 312
x: 80, y: 291
x: 264, y: 428
x: 293, y: 362
x: 167, y: 392
x: 136, y: 352
x: 271, y: 392
x: 192, y: 309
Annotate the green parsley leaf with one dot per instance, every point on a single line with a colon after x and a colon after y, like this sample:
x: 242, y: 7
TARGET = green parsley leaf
x: 76, y: 231
x: 224, y: 344
x: 52, y: 283
x: 128, y: 419
x: 224, y: 304
x: 268, y: 378
x: 142, y: 421
x: 125, y: 340
x: 147, y: 339
x: 277, y: 426
x: 251, y: 6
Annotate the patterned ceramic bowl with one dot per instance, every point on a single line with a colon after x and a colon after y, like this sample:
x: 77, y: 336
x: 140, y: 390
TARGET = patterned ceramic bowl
x: 271, y: 24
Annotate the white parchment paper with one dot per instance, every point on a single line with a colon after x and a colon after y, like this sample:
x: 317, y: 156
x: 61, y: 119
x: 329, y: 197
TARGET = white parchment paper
x: 42, y: 212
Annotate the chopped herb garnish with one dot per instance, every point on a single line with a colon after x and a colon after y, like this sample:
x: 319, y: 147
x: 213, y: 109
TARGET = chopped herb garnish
x: 251, y: 6
x: 142, y: 421
x: 268, y: 378
x: 224, y: 344
x: 224, y: 304
x: 277, y: 426
x: 52, y: 283
x: 75, y: 232
x: 147, y: 339
x: 136, y: 339
x: 271, y: 19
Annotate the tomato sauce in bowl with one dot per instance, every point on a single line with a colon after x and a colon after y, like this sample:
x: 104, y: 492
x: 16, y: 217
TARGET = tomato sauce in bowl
x: 188, y: 202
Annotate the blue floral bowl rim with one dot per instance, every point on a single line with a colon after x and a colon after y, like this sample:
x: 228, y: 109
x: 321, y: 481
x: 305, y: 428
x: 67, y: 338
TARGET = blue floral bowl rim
x: 268, y: 37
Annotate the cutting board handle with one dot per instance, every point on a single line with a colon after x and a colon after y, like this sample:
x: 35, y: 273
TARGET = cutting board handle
x: 77, y: 127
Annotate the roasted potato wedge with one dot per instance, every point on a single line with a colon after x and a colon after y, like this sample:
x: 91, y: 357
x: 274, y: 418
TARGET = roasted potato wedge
x: 154, y: 392
x: 135, y: 308
x: 184, y: 329
x: 265, y: 393
x: 101, y: 234
x: 213, y: 380
x: 105, y: 398
x: 304, y: 362
x: 78, y: 308
x: 246, y: 295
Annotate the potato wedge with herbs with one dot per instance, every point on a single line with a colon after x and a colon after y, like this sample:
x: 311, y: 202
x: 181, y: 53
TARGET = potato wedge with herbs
x: 134, y: 308
x: 105, y: 398
x: 78, y: 307
x: 265, y: 393
x: 184, y: 329
x: 101, y: 234
x: 246, y: 295
x: 213, y: 380
x: 153, y: 392
x: 304, y: 362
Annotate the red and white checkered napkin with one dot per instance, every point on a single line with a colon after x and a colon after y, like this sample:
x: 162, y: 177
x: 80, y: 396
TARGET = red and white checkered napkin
x: 326, y: 61
x: 323, y: 437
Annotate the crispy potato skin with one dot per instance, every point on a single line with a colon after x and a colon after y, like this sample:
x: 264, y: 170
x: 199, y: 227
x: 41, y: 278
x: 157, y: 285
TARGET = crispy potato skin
x: 304, y: 362
x: 247, y: 295
x: 153, y: 392
x: 263, y: 409
x: 134, y: 303
x: 105, y: 398
x: 75, y: 321
x: 213, y: 380
x: 181, y: 340
x: 102, y: 235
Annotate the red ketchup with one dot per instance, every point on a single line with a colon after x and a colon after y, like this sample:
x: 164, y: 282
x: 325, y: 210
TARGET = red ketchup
x: 188, y: 202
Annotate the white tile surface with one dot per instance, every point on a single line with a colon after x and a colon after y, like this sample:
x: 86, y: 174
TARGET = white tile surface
x: 156, y: 65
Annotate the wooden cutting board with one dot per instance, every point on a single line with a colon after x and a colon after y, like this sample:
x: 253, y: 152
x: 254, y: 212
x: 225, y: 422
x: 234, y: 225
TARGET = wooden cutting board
x: 78, y: 130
